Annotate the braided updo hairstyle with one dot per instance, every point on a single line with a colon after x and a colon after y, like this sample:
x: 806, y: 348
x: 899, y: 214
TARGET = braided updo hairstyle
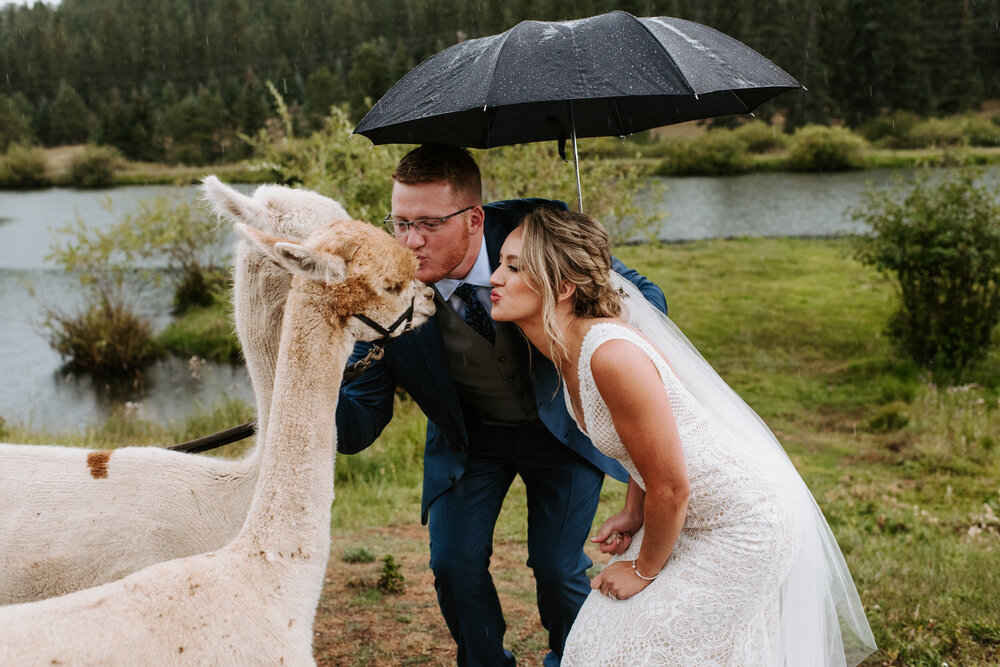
x: 565, y: 246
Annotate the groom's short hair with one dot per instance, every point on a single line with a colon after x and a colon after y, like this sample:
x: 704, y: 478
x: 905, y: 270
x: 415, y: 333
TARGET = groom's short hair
x: 441, y: 163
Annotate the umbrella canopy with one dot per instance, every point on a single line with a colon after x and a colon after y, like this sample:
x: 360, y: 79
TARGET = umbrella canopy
x: 608, y: 75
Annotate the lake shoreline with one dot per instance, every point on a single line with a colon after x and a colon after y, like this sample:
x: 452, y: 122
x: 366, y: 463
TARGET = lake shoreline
x: 131, y: 173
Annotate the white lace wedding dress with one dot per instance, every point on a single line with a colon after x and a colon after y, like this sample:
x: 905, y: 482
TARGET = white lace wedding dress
x: 716, y: 601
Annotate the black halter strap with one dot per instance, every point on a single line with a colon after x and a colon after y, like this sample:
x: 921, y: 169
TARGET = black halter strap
x: 375, y: 353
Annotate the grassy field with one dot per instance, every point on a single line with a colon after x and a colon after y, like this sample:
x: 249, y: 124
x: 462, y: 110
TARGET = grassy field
x: 907, y: 473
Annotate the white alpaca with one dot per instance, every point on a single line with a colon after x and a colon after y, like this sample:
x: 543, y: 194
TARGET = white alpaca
x: 71, y: 518
x: 254, y: 600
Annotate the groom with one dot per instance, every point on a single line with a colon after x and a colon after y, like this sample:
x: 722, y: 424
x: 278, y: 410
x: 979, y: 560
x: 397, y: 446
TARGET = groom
x: 493, y: 411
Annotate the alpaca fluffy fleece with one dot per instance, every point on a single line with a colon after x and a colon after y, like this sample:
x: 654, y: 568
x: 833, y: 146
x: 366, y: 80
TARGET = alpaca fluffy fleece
x: 71, y: 518
x: 254, y: 600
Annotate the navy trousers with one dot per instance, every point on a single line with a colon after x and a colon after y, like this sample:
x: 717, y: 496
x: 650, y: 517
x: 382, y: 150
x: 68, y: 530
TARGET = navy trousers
x: 562, y: 492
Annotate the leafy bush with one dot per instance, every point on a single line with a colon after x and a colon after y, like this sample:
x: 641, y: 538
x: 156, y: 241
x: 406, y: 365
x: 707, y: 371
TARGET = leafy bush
x: 934, y: 133
x: 187, y: 244
x: 93, y: 167
x: 23, y: 167
x: 759, y: 137
x: 888, y: 130
x: 714, y: 153
x: 821, y: 148
x: 609, y: 186
x: 939, y: 244
x: 979, y: 131
x: 106, y: 338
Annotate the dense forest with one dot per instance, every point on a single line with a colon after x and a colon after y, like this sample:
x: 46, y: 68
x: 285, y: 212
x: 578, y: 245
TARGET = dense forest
x: 178, y: 80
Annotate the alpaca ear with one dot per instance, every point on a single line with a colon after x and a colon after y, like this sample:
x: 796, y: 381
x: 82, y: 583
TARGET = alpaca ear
x: 320, y: 267
x: 227, y: 202
x: 263, y: 241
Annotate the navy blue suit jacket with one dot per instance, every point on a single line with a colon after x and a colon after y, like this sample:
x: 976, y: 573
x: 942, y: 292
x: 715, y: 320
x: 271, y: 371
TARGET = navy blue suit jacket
x: 418, y: 363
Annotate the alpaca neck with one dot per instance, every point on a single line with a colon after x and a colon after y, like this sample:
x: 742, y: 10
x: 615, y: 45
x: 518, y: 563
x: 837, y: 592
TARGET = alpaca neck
x: 291, y: 506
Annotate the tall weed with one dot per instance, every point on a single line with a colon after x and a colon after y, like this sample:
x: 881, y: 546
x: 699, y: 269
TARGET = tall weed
x: 955, y: 423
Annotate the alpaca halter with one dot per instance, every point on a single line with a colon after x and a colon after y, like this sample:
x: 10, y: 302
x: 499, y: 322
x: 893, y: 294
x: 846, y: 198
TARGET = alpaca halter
x: 378, y: 347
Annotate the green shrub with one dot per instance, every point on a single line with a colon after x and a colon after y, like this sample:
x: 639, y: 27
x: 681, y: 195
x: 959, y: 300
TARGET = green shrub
x: 714, y: 153
x: 759, y: 137
x: 980, y: 131
x: 391, y: 579
x: 23, y: 167
x: 939, y: 244
x: 93, y: 167
x: 105, y: 338
x: 205, y: 332
x: 609, y: 186
x: 187, y: 240
x: 934, y: 133
x: 821, y: 148
x: 888, y: 130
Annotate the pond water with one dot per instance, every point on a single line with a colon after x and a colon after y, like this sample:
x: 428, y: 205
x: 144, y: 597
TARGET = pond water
x: 36, y: 390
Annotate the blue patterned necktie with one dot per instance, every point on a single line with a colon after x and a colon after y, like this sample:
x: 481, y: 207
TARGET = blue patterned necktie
x: 475, y: 312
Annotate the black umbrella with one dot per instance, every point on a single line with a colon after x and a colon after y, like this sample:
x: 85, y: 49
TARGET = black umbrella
x: 608, y: 75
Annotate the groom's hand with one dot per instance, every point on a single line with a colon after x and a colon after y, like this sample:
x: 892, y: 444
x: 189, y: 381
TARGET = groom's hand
x: 615, y: 534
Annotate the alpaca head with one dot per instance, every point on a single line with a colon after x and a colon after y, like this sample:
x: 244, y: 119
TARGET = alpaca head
x: 352, y: 271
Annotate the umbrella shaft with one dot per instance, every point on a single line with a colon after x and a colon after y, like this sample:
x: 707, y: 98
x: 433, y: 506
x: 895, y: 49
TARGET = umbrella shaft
x: 576, y: 159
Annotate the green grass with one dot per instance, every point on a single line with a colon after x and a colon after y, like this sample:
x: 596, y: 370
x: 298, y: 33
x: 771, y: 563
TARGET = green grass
x: 795, y: 327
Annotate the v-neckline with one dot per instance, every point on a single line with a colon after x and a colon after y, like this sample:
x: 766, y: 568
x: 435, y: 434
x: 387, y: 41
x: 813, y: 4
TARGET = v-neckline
x: 581, y: 422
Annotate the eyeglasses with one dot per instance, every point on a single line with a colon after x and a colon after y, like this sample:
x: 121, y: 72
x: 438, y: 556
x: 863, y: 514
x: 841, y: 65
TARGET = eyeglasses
x: 424, y: 226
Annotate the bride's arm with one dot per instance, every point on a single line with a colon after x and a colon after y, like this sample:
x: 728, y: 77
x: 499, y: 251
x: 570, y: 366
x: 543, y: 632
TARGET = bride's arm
x: 640, y: 410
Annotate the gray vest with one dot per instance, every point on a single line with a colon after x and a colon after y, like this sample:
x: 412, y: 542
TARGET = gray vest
x: 492, y: 380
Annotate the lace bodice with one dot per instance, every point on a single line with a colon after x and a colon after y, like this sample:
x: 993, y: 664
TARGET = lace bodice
x: 722, y: 476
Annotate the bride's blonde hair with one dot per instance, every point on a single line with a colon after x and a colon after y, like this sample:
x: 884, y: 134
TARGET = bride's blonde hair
x: 559, y: 247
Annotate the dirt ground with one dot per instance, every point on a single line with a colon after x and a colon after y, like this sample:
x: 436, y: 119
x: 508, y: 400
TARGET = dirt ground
x: 358, y: 625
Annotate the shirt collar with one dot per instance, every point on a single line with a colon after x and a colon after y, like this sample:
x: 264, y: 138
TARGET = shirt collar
x: 479, y: 275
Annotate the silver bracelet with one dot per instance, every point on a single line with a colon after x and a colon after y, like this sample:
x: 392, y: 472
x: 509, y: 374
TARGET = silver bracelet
x: 639, y: 574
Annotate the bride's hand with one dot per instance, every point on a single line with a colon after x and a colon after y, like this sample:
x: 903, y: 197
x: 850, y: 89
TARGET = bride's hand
x: 618, y: 581
x: 615, y: 535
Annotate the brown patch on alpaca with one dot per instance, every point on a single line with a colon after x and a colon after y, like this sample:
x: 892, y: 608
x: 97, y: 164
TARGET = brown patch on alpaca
x: 98, y: 463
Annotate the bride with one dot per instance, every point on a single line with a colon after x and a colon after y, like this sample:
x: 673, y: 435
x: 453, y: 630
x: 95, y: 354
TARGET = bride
x: 721, y: 555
